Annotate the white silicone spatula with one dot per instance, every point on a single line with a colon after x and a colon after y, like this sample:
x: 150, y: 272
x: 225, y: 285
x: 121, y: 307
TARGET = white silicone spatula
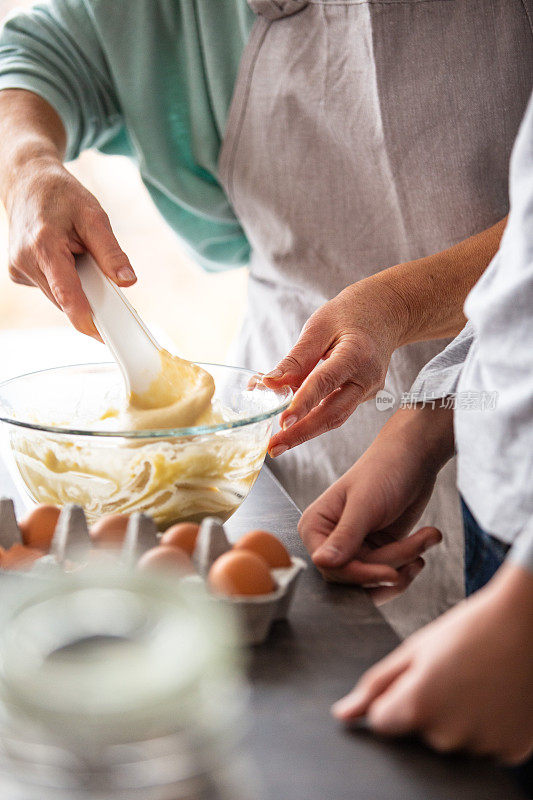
x: 121, y: 328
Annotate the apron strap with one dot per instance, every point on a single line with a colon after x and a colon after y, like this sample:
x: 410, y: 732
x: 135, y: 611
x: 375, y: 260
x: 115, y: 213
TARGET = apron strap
x: 275, y: 9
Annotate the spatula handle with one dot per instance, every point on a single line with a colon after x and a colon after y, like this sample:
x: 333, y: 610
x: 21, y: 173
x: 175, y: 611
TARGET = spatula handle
x: 122, y: 330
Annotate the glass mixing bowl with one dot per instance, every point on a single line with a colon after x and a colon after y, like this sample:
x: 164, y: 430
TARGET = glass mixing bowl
x: 59, y: 456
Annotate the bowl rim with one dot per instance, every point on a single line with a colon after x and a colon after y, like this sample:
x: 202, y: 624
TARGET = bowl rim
x: 158, y: 433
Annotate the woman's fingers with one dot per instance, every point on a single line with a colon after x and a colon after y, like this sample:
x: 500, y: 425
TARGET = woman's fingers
x: 57, y: 266
x: 375, y: 681
x: 42, y: 284
x: 349, y: 363
x: 311, y: 346
x: 96, y: 234
x: 330, y: 414
x: 55, y: 218
x: 31, y: 274
x: 18, y: 277
x: 324, y: 379
x: 334, y: 366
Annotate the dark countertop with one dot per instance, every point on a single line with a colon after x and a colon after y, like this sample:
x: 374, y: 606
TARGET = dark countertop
x: 333, y: 636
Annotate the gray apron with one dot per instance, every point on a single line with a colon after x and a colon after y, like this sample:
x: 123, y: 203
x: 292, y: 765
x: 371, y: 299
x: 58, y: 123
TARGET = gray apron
x: 361, y: 135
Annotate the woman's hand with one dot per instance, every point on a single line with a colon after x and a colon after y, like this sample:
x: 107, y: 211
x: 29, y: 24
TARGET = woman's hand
x: 463, y: 682
x: 356, y: 531
x: 353, y: 337
x: 52, y: 218
x: 344, y: 350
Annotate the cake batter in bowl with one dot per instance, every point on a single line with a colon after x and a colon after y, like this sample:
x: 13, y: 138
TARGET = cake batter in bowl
x: 63, y: 439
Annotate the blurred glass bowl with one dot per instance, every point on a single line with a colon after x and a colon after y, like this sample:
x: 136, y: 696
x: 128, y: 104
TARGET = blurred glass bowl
x: 181, y: 474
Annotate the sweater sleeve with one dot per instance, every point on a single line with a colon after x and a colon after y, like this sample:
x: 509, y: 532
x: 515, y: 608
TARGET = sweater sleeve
x: 53, y: 50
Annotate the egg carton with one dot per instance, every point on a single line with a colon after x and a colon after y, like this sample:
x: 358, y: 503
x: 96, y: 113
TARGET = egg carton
x: 71, y: 542
x: 256, y: 613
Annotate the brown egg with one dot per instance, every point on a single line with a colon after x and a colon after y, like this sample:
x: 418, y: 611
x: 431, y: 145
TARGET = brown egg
x: 266, y: 545
x: 20, y: 557
x: 182, y: 535
x: 165, y: 558
x: 38, y: 527
x: 109, y: 531
x: 240, y: 572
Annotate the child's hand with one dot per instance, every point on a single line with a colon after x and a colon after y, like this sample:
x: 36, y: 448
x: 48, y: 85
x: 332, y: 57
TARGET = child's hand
x: 463, y: 682
x: 357, y: 531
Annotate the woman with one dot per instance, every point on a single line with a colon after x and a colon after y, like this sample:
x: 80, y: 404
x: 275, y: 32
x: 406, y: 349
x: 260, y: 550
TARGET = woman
x: 360, y: 135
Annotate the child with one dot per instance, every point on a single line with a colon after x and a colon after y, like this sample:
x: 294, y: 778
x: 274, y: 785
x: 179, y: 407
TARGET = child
x: 465, y: 680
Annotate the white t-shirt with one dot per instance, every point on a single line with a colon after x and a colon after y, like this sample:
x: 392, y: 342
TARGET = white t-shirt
x: 489, y: 370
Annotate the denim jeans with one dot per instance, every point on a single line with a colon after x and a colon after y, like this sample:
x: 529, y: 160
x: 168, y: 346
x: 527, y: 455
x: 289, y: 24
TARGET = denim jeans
x: 483, y: 553
x: 483, y: 556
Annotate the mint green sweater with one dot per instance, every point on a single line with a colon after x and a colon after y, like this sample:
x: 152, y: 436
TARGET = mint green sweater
x: 150, y: 79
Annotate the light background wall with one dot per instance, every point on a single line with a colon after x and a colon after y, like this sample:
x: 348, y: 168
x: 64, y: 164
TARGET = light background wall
x: 201, y: 313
